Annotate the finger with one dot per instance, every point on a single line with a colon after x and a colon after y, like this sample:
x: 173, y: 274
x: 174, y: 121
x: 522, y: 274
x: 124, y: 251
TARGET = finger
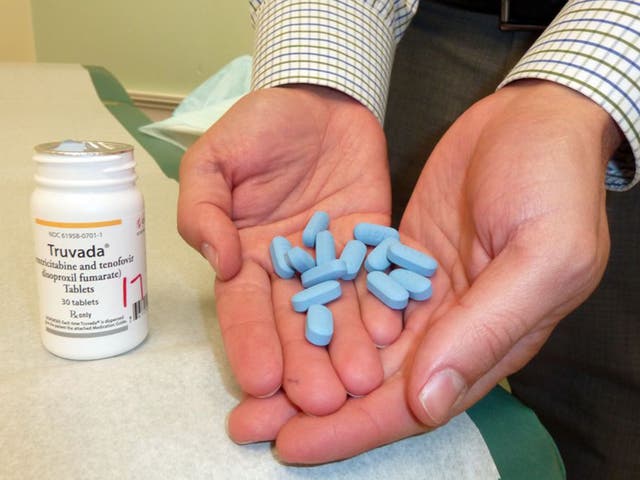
x: 247, y: 324
x: 259, y: 419
x: 382, y: 323
x: 309, y: 378
x: 354, y: 357
x: 417, y: 318
x: 361, y: 424
x: 513, y: 361
x: 204, y: 215
x: 509, y: 310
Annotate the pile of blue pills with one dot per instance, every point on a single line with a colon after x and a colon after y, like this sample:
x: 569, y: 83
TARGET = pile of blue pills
x: 396, y: 272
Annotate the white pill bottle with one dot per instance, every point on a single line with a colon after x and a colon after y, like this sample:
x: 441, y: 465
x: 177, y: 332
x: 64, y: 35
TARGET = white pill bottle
x: 89, y: 230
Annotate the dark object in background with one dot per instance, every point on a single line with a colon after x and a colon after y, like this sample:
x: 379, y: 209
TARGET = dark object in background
x: 527, y: 14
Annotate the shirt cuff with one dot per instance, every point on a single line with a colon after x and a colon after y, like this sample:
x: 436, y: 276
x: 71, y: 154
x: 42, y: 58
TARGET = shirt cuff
x: 593, y: 46
x: 343, y: 44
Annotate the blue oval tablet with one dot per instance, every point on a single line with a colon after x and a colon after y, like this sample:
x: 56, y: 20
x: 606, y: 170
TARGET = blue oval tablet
x: 412, y: 259
x: 319, y: 294
x: 419, y: 287
x: 325, y: 247
x: 318, y: 222
x: 377, y: 258
x: 387, y: 290
x: 332, y: 270
x: 319, y: 326
x: 278, y: 249
x: 300, y: 259
x: 372, y: 234
x: 353, y: 255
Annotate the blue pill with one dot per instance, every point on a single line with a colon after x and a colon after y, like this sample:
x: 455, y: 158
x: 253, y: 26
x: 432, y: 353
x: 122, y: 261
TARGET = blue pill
x: 387, y: 290
x: 319, y: 294
x: 372, y: 234
x: 419, y: 287
x: 353, y: 255
x: 412, y: 259
x: 318, y: 222
x: 278, y: 249
x: 377, y: 258
x: 325, y: 247
x: 332, y: 270
x: 300, y: 259
x: 319, y: 327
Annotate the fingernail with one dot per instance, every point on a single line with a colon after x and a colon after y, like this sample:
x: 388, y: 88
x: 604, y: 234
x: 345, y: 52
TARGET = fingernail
x: 210, y: 254
x: 442, y: 393
x: 270, y: 394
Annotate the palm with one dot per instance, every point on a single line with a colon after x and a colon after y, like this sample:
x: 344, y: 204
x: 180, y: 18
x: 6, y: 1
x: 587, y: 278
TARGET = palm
x: 274, y: 159
x: 518, y: 223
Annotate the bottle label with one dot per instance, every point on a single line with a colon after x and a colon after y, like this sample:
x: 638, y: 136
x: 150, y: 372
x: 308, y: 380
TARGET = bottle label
x: 91, y: 275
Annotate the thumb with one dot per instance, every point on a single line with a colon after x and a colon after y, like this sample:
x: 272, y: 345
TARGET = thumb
x: 204, y: 218
x: 492, y: 330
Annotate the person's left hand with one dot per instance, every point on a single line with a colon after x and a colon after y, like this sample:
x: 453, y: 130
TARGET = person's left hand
x: 511, y: 203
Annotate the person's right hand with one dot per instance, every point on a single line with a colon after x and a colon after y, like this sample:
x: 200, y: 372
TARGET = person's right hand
x: 276, y: 157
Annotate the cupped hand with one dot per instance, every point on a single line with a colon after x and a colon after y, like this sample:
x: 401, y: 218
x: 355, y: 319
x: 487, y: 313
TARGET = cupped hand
x: 511, y: 203
x: 262, y: 170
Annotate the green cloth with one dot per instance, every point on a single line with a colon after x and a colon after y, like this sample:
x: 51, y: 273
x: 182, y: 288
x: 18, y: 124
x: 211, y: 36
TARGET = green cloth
x: 520, y: 446
x: 118, y: 102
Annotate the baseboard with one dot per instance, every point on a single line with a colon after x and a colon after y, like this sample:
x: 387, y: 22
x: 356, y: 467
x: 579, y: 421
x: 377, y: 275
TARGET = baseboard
x: 155, y: 101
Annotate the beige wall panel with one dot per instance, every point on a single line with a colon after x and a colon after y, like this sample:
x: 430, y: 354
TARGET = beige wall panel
x: 160, y: 46
x: 16, y: 32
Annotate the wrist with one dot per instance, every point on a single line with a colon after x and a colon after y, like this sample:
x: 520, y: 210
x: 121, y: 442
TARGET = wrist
x: 584, y: 115
x: 332, y: 99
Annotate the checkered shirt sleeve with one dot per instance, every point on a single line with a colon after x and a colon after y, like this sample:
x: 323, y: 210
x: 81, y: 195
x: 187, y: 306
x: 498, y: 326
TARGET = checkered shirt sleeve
x: 344, y: 44
x: 593, y: 46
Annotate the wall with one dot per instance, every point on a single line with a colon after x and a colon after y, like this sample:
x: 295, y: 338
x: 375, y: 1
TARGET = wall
x: 16, y: 33
x: 163, y: 46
